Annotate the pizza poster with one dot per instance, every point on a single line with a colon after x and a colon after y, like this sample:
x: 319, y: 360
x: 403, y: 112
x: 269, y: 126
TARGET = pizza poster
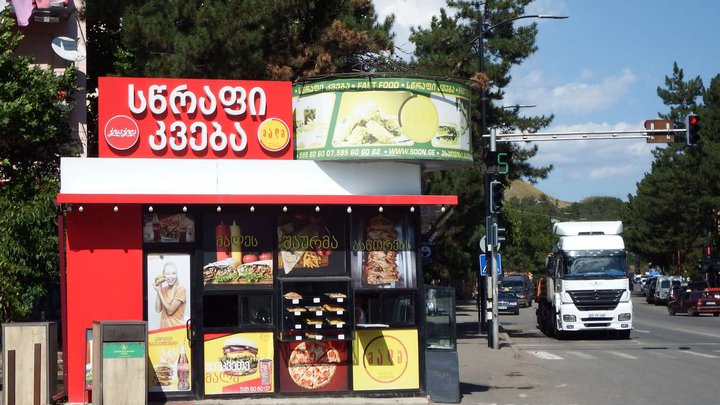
x: 313, y: 366
x: 383, y: 251
x: 239, y: 363
x: 238, y: 249
x: 386, y: 360
x: 311, y: 244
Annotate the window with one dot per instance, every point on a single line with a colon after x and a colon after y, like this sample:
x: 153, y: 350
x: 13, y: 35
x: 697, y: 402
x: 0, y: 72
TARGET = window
x: 232, y: 310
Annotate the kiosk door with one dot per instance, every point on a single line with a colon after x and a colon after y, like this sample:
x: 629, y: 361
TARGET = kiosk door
x: 170, y: 325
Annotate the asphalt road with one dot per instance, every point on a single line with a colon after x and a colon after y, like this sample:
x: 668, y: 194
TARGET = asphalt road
x: 668, y: 360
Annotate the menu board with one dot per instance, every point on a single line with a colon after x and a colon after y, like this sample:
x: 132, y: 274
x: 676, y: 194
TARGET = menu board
x: 386, y: 359
x: 311, y: 244
x: 238, y: 249
x: 383, y: 251
x: 239, y: 363
x: 313, y: 366
x: 168, y: 228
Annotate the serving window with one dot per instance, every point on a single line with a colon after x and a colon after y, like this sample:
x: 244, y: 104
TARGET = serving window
x: 234, y: 310
x: 385, y: 309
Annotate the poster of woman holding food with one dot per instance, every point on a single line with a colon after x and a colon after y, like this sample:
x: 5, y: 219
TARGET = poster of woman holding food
x: 168, y: 276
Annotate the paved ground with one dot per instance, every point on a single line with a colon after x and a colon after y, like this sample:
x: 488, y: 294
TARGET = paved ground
x: 486, y: 375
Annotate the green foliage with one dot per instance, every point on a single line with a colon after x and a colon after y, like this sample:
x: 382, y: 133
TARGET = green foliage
x: 672, y: 215
x: 34, y: 111
x: 450, y: 47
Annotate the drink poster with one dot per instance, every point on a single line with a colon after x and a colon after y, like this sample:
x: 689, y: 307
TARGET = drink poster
x: 383, y: 251
x: 386, y: 360
x: 313, y: 366
x: 240, y: 363
x: 168, y: 281
x: 238, y: 249
x: 168, y: 228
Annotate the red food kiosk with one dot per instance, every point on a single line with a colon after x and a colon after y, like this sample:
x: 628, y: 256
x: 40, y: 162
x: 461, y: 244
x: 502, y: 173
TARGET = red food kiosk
x: 268, y: 233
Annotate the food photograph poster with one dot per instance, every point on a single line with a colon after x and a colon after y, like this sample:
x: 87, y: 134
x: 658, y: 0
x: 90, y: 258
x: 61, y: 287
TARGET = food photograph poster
x: 239, y: 363
x: 168, y: 309
x: 383, y: 253
x: 238, y: 250
x: 311, y: 244
x: 313, y: 366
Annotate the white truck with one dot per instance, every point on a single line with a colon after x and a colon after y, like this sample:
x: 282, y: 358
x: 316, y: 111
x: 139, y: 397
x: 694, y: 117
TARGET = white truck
x: 585, y: 286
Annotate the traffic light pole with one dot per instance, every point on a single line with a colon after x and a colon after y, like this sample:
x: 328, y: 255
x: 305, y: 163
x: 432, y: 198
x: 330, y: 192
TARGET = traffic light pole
x: 492, y: 277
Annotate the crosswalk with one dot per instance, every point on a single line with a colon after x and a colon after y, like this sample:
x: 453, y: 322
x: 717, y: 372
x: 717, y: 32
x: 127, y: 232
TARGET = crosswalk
x: 554, y: 355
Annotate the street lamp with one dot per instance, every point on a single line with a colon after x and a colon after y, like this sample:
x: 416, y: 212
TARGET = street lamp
x: 492, y: 218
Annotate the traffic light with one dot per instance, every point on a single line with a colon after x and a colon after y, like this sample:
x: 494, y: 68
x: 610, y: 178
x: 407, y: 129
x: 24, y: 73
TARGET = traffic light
x: 497, y: 189
x: 692, y: 125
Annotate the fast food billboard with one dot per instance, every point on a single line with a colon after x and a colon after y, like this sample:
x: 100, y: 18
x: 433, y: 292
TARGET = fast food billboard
x: 194, y: 118
x: 398, y: 118
x: 239, y: 363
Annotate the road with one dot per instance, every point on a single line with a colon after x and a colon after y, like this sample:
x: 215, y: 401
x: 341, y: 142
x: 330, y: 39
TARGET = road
x: 668, y: 360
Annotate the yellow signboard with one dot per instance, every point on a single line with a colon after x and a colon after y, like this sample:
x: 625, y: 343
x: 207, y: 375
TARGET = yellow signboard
x: 239, y: 363
x: 386, y: 360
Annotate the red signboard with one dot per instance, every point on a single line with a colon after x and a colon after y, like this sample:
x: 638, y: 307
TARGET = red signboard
x: 195, y: 118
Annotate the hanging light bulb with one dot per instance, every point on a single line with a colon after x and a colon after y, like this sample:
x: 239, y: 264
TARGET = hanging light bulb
x: 150, y: 209
x: 116, y: 209
x: 184, y: 208
x: 285, y: 208
x: 317, y: 208
x: 412, y: 209
x: 81, y: 209
x: 442, y: 209
x: 349, y: 210
x: 380, y: 209
x: 252, y: 208
x: 219, y: 208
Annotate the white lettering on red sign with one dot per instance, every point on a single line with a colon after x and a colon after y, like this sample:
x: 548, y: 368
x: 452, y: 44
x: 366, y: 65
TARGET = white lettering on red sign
x: 121, y: 132
x: 180, y: 135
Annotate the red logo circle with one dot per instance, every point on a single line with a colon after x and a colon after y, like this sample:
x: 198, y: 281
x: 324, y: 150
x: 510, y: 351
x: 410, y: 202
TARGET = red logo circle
x: 121, y: 132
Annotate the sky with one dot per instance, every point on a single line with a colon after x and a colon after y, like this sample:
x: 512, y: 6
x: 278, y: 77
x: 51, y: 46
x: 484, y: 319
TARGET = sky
x: 597, y: 70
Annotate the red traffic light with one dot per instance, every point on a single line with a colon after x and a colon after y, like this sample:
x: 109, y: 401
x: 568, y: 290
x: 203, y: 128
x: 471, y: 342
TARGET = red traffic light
x: 693, y: 120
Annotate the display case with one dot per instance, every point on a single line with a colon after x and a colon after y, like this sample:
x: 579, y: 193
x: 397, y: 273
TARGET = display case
x: 440, y: 331
x: 315, y: 308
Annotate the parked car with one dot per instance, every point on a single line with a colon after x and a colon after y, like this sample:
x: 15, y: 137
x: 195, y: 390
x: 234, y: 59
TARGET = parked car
x: 662, y: 288
x: 645, y: 285
x: 694, y: 303
x: 650, y: 292
x: 508, y: 302
x: 675, y: 290
x: 523, y: 287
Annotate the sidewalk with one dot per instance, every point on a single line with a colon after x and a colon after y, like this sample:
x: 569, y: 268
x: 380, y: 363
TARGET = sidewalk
x: 486, y: 375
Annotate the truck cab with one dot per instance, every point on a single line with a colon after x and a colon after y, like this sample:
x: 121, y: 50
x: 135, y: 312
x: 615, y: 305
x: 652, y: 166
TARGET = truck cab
x: 586, y: 282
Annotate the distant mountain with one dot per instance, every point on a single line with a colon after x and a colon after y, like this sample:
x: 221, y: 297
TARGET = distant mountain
x: 520, y: 189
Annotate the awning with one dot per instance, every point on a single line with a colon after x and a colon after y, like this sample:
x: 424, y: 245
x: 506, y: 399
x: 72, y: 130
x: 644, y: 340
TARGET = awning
x: 190, y: 181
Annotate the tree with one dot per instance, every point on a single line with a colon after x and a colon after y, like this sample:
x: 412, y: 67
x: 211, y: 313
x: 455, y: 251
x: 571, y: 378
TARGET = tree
x: 34, y: 114
x: 666, y: 218
x: 449, y: 47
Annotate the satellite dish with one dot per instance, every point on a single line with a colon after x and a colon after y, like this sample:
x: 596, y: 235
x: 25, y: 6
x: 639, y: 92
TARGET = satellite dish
x: 68, y: 49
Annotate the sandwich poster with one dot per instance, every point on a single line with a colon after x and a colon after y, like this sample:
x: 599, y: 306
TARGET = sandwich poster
x: 168, y: 309
x: 240, y: 363
x: 238, y: 249
x: 386, y: 360
x: 311, y: 244
x: 383, y: 251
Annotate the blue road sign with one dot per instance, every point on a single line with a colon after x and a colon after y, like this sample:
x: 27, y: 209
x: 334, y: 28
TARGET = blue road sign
x: 483, y: 264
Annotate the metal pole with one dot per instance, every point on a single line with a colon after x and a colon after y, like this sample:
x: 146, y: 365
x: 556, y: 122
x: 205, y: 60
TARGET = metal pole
x: 492, y: 263
x: 482, y: 285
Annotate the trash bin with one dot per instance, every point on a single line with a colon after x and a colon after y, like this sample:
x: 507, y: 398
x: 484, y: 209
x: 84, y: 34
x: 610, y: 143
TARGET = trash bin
x: 29, y: 362
x: 119, y: 363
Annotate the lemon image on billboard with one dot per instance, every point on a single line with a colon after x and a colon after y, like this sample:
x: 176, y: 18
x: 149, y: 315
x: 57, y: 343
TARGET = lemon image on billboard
x: 418, y: 118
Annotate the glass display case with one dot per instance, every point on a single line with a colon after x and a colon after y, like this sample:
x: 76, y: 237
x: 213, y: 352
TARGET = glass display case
x: 315, y: 309
x: 440, y: 333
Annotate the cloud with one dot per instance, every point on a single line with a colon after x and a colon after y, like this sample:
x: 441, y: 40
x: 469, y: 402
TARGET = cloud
x: 408, y: 13
x: 581, y: 96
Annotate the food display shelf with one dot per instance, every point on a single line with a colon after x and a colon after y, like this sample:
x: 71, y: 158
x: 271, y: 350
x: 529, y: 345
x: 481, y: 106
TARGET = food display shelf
x: 315, y: 310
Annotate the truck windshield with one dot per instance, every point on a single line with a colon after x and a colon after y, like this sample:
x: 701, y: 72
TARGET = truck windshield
x: 595, y: 264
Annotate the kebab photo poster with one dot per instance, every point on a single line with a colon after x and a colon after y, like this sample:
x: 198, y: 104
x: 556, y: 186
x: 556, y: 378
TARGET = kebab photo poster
x: 238, y: 249
x: 383, y: 251
x: 239, y: 363
x: 168, y: 309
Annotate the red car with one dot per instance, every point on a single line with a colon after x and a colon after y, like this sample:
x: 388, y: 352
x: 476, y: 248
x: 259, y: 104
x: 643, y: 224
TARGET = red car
x: 695, y: 303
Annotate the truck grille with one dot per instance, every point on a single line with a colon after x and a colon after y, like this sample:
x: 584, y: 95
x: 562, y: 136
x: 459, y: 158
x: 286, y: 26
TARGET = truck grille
x: 596, y: 300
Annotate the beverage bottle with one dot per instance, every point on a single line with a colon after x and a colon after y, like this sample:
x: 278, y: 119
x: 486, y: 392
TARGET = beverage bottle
x: 156, y: 228
x: 183, y: 371
x: 222, y: 241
